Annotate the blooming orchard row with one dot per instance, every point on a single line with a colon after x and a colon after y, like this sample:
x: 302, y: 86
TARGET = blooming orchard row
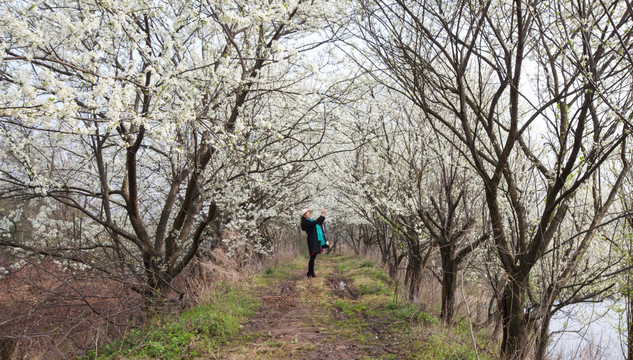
x: 490, y: 140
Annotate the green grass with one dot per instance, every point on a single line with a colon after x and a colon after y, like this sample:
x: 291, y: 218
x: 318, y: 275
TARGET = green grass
x: 373, y: 289
x: 370, y: 319
x: 442, y: 346
x: 192, y: 334
x: 279, y: 272
x: 346, y: 263
x: 367, y: 263
x: 426, y: 337
x: 409, y: 312
x: 350, y: 309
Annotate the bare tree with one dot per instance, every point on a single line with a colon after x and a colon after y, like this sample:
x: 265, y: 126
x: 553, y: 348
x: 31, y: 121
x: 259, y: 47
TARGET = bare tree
x: 464, y: 64
x: 453, y: 225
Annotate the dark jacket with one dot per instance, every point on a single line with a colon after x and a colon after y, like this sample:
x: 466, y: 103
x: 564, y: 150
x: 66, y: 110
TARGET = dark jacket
x: 314, y: 246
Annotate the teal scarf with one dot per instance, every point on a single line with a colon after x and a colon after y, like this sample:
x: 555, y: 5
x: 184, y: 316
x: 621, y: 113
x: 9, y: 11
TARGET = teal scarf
x: 319, y: 233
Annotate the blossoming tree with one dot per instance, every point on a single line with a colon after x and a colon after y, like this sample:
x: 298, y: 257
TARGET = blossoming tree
x: 160, y: 124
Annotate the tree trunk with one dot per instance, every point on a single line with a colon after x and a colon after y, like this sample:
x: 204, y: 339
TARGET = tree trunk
x: 393, y: 270
x: 449, y: 280
x: 395, y: 261
x: 629, y: 313
x: 543, y: 338
x: 414, y: 274
x: 157, y: 281
x: 630, y: 329
x: 514, y: 345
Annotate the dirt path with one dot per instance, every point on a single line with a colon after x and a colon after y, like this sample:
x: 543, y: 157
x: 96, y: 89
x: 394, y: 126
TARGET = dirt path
x: 320, y: 318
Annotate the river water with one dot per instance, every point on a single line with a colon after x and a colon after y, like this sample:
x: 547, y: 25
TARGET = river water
x: 589, y: 331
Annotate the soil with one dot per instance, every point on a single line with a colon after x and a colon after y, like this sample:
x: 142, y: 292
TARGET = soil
x: 292, y: 325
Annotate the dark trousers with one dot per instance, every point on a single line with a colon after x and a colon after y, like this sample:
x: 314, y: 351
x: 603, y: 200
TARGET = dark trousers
x: 311, y: 265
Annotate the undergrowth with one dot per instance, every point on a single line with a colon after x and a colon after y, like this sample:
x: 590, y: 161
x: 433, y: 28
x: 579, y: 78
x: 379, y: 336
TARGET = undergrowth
x: 194, y: 333
x: 198, y: 331
x: 422, y: 334
x: 360, y: 307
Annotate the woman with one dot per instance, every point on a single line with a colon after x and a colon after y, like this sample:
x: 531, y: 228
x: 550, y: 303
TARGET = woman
x: 315, y: 236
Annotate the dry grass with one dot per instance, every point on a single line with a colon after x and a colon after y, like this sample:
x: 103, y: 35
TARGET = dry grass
x: 52, y: 313
x: 590, y: 350
x: 234, y: 270
x: 55, y: 314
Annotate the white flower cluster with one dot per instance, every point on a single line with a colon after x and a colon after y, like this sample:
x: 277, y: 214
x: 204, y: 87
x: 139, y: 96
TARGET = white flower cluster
x: 18, y: 265
x: 83, y: 90
x: 73, y: 266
